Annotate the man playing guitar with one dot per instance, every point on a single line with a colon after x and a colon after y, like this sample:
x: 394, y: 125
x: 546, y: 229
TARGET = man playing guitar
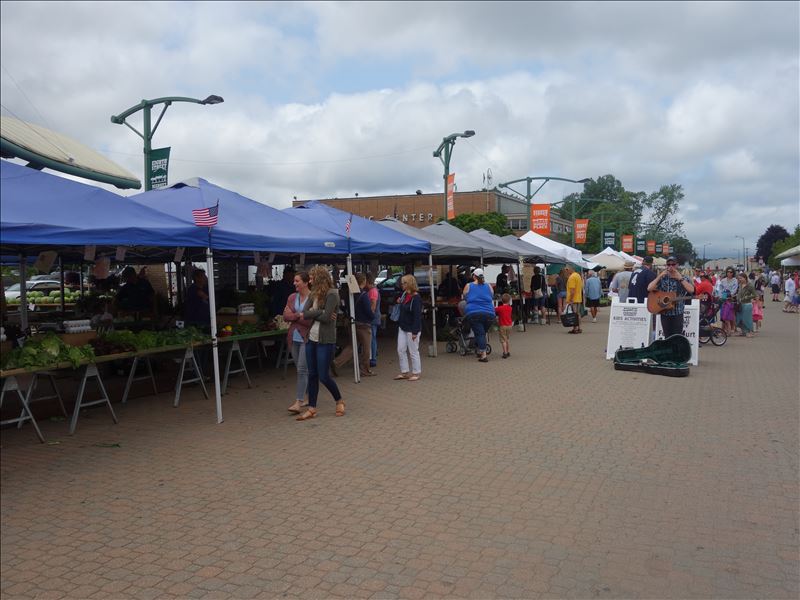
x: 671, y: 280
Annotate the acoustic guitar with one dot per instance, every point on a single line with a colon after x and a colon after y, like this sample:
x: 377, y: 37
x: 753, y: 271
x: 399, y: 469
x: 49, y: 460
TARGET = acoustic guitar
x: 660, y: 301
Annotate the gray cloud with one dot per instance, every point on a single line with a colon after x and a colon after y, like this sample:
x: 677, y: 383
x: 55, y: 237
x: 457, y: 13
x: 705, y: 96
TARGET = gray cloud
x: 700, y: 94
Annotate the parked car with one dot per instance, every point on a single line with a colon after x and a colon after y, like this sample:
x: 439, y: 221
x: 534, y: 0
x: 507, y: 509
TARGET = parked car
x: 40, y: 285
x: 390, y: 288
x: 381, y: 276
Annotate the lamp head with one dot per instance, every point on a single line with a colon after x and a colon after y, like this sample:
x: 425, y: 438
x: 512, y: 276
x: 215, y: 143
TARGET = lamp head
x: 468, y: 133
x: 212, y: 99
x: 436, y: 154
x: 586, y: 180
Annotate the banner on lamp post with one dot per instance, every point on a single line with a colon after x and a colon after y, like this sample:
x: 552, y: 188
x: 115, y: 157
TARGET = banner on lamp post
x: 159, y: 166
x: 666, y: 248
x: 627, y: 244
x: 609, y: 238
x: 581, y: 227
x: 540, y: 219
x: 640, y: 246
x: 651, y: 246
x: 659, y: 248
x: 451, y: 186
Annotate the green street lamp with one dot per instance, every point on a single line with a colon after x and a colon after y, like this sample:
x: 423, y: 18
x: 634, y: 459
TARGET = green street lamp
x: 447, y: 147
x: 544, y: 180
x: 744, y: 252
x: 147, y: 136
x: 574, y: 210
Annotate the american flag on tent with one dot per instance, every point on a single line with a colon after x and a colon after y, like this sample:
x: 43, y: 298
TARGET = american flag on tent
x: 206, y: 217
x: 348, y: 224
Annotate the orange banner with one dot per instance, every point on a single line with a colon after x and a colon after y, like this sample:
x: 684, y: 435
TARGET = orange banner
x: 540, y: 219
x: 451, y: 186
x: 581, y: 227
x: 665, y: 248
x: 651, y: 246
x: 627, y: 243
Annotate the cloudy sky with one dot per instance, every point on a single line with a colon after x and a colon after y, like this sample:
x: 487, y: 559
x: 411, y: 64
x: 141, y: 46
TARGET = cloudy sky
x: 332, y: 98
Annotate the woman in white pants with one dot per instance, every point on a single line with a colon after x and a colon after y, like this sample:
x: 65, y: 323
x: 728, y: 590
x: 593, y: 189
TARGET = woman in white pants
x: 409, y: 329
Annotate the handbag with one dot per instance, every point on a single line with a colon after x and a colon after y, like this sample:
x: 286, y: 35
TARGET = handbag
x: 538, y: 294
x: 569, y: 318
x: 394, y: 314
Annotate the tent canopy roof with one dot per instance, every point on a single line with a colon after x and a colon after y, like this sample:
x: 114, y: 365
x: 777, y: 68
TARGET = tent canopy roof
x: 440, y: 247
x: 43, y: 211
x: 243, y: 224
x: 492, y: 253
x: 566, y: 253
x: 366, y: 237
x: 790, y: 252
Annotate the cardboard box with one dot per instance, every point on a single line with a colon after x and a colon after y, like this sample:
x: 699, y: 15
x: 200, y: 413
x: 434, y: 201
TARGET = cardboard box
x: 78, y: 339
x: 223, y: 320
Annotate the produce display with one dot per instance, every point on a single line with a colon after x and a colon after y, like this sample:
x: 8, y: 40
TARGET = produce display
x: 247, y: 328
x: 146, y: 340
x: 54, y: 297
x: 47, y: 352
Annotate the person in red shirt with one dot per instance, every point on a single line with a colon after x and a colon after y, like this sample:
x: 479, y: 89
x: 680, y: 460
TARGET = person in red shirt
x: 704, y: 290
x: 505, y: 322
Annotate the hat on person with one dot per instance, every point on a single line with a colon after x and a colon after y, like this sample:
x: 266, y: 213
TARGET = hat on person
x: 629, y: 264
x: 477, y: 273
x: 648, y: 260
x: 672, y: 259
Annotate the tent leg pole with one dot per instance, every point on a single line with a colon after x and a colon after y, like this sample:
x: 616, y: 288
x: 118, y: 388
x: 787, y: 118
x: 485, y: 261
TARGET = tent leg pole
x: 520, y: 286
x: 353, y: 338
x: 23, y: 296
x: 212, y: 309
x: 433, y: 304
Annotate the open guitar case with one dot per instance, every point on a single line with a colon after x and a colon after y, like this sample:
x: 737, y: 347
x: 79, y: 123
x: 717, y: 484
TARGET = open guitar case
x: 663, y: 357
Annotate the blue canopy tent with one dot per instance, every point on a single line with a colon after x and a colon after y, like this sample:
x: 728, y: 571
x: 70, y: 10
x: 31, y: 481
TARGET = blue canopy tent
x: 243, y: 224
x: 41, y: 211
x: 364, y: 237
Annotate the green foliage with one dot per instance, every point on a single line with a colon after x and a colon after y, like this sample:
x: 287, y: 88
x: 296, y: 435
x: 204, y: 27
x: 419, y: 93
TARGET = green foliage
x: 494, y: 222
x: 146, y: 340
x: 783, y: 245
x: 774, y: 233
x: 47, y: 352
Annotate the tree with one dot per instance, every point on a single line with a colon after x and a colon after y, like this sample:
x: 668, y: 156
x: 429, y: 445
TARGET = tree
x: 682, y: 249
x: 494, y: 222
x: 783, y: 245
x: 774, y: 233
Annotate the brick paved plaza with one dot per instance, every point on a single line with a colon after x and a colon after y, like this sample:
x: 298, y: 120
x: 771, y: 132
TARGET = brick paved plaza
x: 545, y: 475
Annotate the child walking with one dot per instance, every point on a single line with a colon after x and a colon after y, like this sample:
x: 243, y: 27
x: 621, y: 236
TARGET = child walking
x: 505, y: 322
x: 758, y: 312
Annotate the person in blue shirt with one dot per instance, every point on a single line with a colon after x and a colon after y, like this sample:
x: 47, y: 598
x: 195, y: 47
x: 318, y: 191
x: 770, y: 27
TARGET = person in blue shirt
x: 363, y: 318
x: 479, y: 310
x: 593, y: 292
x: 641, y: 278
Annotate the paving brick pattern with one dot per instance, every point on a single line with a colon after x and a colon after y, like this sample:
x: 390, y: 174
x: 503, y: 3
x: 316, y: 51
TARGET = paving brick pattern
x: 545, y: 475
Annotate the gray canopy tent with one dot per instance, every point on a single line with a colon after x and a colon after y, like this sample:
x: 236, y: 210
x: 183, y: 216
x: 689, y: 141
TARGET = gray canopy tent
x: 443, y: 248
x: 490, y: 252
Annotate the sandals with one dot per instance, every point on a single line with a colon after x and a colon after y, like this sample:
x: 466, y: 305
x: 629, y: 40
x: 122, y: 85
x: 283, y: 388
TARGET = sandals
x: 310, y: 413
x: 340, y: 408
x: 414, y: 378
x: 401, y: 376
x: 295, y: 408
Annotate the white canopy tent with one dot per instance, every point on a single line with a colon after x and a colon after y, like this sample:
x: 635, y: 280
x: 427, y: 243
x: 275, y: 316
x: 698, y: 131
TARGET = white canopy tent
x: 610, y: 259
x: 789, y: 253
x: 566, y: 253
x: 791, y: 261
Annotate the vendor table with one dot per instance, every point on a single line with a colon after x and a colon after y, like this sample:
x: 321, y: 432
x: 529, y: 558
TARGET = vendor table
x: 235, y: 350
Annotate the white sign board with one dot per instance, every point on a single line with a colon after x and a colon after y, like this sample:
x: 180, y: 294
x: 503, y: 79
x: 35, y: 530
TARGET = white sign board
x: 691, y: 328
x: 628, y: 326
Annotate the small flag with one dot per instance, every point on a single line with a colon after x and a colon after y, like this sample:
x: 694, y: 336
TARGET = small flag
x: 206, y: 217
x: 348, y: 224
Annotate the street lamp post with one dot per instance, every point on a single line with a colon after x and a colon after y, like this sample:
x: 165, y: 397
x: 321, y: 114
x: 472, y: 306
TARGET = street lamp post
x: 147, y: 135
x: 744, y: 252
x: 447, y: 147
x: 529, y: 195
x: 704, y: 253
x: 575, y: 210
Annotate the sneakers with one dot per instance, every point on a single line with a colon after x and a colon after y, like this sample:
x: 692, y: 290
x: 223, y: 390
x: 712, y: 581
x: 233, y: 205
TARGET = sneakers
x: 594, y: 319
x: 373, y: 364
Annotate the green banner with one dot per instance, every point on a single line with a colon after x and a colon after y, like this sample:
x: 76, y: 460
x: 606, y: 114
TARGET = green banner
x: 659, y: 248
x: 159, y: 165
x: 609, y: 238
x: 640, y: 247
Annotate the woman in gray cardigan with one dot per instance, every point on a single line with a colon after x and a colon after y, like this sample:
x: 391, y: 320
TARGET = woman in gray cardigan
x: 320, y: 309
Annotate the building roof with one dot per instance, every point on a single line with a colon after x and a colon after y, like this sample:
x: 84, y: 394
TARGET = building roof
x: 42, y: 148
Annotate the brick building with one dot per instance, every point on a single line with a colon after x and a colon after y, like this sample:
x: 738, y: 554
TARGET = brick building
x: 420, y: 210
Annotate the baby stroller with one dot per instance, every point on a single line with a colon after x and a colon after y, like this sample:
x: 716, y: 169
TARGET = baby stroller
x: 708, y: 315
x: 464, y: 342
